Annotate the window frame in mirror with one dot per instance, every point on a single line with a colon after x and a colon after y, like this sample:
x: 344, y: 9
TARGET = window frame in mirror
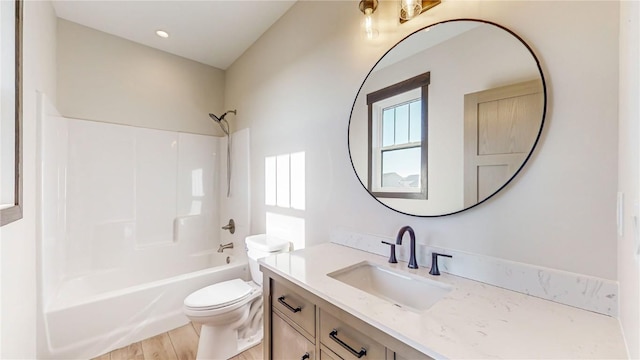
x: 11, y: 212
x: 421, y: 82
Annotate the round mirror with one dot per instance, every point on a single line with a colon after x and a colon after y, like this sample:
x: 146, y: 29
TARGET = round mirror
x: 447, y: 117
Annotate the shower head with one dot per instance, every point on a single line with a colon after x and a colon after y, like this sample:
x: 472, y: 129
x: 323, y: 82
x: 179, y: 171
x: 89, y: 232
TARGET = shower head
x: 220, y: 119
x: 215, y: 118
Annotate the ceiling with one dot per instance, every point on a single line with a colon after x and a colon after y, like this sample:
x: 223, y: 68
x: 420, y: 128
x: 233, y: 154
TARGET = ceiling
x: 213, y: 32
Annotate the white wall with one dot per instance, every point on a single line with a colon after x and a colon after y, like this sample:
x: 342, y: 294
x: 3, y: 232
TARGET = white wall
x: 18, y: 240
x: 295, y: 87
x: 629, y: 179
x: 106, y: 78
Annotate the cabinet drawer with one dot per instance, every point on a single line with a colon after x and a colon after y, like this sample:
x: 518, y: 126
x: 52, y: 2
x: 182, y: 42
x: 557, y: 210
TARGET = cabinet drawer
x: 287, y: 343
x: 294, y: 306
x: 347, y: 342
x: 326, y: 354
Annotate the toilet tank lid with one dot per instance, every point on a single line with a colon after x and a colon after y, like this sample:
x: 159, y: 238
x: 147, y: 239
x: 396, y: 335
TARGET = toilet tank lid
x: 266, y: 243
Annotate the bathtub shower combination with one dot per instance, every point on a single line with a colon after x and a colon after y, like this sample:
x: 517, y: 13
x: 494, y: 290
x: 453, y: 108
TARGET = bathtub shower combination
x: 130, y: 227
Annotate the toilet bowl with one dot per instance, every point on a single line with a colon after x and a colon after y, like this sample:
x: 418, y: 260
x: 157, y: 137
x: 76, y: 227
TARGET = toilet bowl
x: 230, y: 312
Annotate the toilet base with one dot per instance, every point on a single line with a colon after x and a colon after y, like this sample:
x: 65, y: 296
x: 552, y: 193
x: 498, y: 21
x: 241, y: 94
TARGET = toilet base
x: 245, y: 344
x: 218, y: 343
x: 223, y: 340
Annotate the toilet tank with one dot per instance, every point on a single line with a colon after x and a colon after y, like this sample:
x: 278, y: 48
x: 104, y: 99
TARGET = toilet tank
x: 262, y: 245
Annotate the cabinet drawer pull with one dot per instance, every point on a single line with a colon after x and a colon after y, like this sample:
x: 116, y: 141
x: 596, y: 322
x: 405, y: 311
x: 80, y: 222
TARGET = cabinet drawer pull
x: 334, y: 336
x: 293, y: 310
x: 305, y: 356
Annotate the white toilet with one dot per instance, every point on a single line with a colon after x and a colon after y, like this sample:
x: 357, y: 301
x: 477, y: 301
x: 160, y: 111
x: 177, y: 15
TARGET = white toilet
x: 231, y: 311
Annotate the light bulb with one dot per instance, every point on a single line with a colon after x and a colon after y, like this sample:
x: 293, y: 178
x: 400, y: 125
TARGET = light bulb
x: 410, y: 8
x: 370, y: 32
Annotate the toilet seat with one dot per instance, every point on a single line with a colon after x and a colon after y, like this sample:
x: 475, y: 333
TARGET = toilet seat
x: 223, y: 298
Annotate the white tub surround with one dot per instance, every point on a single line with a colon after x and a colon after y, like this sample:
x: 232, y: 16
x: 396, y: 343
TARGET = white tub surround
x: 122, y: 197
x: 582, y: 291
x: 475, y: 320
x: 130, y: 226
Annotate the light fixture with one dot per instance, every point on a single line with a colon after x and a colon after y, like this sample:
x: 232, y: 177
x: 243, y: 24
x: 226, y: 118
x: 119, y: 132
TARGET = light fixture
x: 412, y: 8
x: 368, y: 7
x: 162, y: 33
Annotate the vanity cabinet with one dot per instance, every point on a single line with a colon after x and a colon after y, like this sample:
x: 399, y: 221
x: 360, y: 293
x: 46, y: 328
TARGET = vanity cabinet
x: 300, y: 311
x: 289, y: 343
x: 347, y: 342
x: 326, y: 354
x: 301, y: 325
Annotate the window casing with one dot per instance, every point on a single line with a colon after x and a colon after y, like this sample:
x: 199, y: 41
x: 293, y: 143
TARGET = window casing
x: 398, y: 139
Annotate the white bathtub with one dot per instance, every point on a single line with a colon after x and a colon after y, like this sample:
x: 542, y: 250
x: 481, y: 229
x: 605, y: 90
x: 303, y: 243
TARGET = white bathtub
x: 96, y: 313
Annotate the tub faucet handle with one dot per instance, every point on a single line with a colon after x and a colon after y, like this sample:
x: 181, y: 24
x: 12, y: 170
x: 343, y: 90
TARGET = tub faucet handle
x: 231, y: 226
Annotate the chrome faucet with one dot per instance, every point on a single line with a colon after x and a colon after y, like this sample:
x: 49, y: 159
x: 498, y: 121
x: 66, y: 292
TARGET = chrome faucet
x: 225, y: 246
x: 413, y: 264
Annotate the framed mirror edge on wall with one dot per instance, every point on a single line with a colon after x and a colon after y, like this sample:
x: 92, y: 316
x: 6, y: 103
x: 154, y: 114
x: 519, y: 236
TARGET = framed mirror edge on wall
x: 12, y: 210
x: 535, y: 142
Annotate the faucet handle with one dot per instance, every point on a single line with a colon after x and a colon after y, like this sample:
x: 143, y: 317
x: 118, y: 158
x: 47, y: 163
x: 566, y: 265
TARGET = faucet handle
x: 231, y: 226
x: 392, y: 254
x: 434, y: 263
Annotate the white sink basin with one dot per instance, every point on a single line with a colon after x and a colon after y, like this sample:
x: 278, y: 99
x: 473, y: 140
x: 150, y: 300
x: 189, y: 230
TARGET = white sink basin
x: 402, y: 289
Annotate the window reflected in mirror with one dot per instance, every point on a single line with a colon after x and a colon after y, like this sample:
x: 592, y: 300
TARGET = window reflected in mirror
x: 397, y: 139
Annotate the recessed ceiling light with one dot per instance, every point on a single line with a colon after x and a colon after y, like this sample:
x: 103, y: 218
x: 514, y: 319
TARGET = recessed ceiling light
x: 162, y: 33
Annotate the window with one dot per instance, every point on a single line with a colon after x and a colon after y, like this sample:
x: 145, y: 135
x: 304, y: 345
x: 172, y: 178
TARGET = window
x: 398, y: 139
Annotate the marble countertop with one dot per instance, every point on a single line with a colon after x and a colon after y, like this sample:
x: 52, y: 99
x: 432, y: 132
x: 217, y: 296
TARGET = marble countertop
x: 474, y: 320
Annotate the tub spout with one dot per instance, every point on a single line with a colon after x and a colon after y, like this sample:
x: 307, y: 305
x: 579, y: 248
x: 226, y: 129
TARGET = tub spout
x: 225, y: 246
